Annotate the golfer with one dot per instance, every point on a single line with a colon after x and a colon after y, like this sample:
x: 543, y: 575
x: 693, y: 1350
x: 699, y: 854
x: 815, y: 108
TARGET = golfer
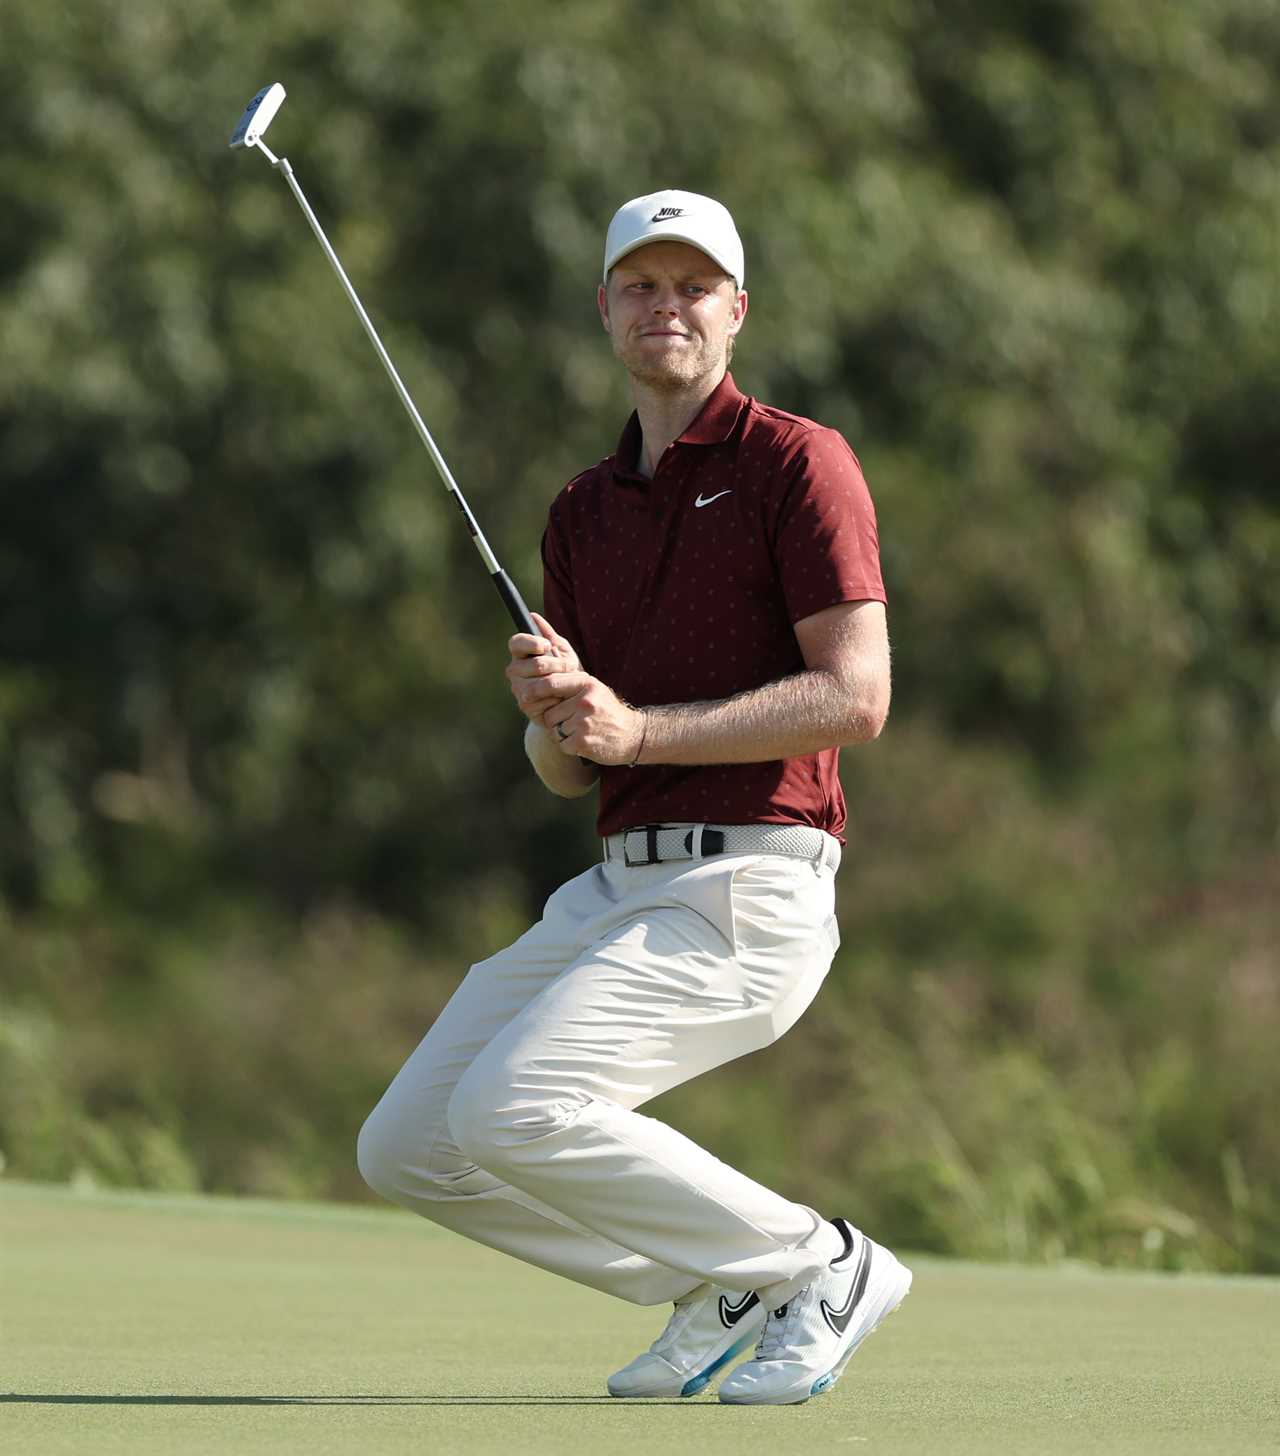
x: 714, y: 632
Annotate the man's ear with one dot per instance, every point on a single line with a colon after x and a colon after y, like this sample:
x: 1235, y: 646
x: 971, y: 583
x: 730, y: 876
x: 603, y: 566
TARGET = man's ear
x: 739, y: 310
x: 602, y: 303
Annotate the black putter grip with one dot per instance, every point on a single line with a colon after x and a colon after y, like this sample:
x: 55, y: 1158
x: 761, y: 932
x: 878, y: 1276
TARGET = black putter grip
x: 510, y: 594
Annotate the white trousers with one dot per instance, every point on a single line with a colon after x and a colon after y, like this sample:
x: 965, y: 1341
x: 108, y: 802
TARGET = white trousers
x: 514, y: 1121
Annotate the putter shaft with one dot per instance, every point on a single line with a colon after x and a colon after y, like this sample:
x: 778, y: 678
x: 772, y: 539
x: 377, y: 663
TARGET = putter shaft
x: 506, y: 587
x: 248, y: 134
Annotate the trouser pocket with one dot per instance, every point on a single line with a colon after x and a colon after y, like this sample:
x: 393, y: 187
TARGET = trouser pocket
x: 776, y: 918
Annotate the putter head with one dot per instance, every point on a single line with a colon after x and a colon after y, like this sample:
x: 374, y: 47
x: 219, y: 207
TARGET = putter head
x: 258, y: 116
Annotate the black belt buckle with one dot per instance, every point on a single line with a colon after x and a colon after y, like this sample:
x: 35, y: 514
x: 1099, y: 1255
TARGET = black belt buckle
x: 712, y: 843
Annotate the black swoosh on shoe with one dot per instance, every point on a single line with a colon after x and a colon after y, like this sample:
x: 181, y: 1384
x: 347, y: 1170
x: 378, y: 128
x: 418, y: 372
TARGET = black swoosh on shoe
x: 730, y: 1314
x: 838, y: 1319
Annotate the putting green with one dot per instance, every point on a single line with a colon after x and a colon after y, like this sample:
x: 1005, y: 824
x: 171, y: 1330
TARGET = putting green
x: 154, y: 1325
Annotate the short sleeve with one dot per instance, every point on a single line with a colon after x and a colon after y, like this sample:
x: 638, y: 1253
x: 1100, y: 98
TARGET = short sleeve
x: 559, y: 606
x: 826, y: 543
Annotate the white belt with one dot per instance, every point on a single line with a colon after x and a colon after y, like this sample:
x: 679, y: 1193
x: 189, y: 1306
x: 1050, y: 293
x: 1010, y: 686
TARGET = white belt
x: 650, y: 844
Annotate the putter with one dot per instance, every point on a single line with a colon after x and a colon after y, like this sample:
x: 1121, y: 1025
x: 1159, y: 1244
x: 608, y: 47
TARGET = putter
x: 258, y: 116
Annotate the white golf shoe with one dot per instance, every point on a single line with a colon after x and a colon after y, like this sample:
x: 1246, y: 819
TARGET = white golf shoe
x: 702, y: 1337
x: 806, y: 1344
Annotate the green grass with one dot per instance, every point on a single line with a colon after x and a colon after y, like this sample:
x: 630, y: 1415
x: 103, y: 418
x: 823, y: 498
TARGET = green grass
x: 146, y: 1324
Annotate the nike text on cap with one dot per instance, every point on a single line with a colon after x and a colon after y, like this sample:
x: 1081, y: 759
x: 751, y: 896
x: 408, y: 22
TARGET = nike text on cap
x: 678, y: 217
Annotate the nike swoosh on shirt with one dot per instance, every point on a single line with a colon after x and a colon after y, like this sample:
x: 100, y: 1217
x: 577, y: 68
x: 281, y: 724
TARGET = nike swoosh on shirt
x: 701, y: 502
x: 839, y: 1319
x: 730, y: 1314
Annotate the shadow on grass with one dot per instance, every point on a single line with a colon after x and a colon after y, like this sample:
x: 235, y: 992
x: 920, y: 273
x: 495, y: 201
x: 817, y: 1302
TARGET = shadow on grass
x: 371, y: 1400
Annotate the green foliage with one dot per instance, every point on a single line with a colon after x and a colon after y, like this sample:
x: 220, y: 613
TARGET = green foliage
x: 261, y: 789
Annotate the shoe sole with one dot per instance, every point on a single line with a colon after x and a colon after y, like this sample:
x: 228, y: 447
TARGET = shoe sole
x: 697, y: 1382
x: 894, y: 1292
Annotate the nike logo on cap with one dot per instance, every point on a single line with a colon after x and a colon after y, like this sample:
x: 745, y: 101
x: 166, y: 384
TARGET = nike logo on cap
x: 707, y: 501
x: 730, y: 1314
x: 663, y: 213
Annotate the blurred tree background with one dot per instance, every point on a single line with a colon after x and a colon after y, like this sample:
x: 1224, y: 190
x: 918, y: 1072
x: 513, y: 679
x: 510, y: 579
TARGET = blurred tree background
x: 262, y: 795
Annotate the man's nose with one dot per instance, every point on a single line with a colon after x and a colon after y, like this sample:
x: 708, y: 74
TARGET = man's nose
x: 664, y: 299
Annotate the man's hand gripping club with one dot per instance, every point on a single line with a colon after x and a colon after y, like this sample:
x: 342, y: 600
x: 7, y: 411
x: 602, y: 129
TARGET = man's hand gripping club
x: 573, y: 716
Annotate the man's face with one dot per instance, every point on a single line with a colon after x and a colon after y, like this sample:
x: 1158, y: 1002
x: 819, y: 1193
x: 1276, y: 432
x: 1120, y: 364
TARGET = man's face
x: 671, y: 311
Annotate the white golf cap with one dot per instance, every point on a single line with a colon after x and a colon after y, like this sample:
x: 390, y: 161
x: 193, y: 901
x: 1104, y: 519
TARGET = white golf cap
x: 678, y: 217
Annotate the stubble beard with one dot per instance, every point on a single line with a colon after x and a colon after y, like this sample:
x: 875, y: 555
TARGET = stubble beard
x: 676, y: 369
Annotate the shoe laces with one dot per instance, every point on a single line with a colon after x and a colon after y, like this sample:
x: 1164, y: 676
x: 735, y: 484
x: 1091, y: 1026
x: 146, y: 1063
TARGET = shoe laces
x: 783, y: 1323
x: 773, y: 1335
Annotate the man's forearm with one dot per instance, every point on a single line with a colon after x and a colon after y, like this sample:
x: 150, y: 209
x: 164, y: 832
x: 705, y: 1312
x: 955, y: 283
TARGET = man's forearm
x: 564, y: 775
x: 806, y: 713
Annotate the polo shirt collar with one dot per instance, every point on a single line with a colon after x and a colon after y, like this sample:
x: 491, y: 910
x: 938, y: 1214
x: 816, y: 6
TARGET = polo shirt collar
x: 712, y: 425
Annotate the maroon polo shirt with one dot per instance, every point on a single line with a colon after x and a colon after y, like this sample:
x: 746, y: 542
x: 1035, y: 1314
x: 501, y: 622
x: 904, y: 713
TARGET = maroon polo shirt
x: 686, y: 587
